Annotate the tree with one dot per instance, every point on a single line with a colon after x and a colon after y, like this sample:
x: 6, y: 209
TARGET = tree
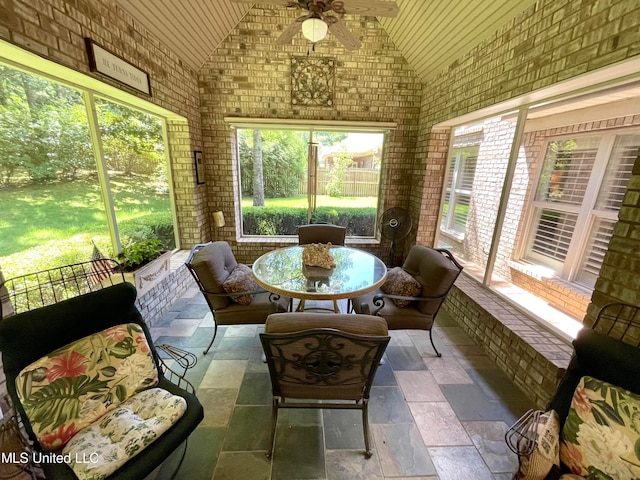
x: 284, y: 159
x: 44, y: 134
x: 258, y: 173
x: 131, y: 140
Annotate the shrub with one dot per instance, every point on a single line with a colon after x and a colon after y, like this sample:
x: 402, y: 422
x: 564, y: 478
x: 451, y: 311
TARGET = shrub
x: 158, y: 226
x: 285, y: 221
x: 139, y: 254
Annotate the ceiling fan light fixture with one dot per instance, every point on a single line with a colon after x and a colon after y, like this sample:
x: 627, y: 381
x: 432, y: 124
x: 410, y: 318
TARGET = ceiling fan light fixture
x: 314, y: 29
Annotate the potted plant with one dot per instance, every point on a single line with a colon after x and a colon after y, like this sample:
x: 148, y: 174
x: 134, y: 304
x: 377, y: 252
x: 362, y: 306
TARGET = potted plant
x: 144, y: 264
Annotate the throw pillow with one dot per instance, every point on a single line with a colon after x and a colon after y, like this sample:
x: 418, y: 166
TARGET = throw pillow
x: 241, y: 280
x: 539, y: 463
x: 399, y: 282
x: 601, y: 435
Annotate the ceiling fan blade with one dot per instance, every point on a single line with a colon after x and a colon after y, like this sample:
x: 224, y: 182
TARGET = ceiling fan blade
x: 288, y: 33
x: 342, y: 33
x: 270, y: 2
x: 371, y: 7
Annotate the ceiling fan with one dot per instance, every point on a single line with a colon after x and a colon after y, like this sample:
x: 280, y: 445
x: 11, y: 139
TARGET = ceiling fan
x: 326, y: 15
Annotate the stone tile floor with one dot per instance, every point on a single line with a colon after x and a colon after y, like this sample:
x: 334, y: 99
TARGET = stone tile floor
x: 431, y: 418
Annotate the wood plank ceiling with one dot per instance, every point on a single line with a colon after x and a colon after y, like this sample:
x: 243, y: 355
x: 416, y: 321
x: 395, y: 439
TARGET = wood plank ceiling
x: 431, y: 34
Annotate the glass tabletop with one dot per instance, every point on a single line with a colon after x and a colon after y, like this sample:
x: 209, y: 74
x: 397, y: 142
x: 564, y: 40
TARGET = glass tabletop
x: 356, y: 272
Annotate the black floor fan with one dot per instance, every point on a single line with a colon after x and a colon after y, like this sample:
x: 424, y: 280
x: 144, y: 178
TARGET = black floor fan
x: 394, y: 224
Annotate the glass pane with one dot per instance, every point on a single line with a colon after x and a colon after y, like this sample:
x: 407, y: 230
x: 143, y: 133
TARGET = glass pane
x: 273, y: 180
x: 349, y: 180
x: 475, y: 172
x: 274, y: 176
x: 597, y: 245
x: 566, y: 170
x: 134, y: 150
x: 553, y: 233
x: 50, y: 198
x: 614, y: 184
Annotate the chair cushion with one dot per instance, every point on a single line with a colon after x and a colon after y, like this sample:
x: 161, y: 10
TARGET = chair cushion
x: 254, y: 313
x: 299, y: 321
x: 70, y: 388
x: 435, y: 272
x: 102, y: 447
x: 241, y: 280
x: 399, y: 282
x: 321, y: 233
x: 213, y: 264
x: 602, y: 431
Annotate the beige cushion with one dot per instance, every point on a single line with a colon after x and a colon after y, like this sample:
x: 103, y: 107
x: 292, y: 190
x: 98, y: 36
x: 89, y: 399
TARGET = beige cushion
x: 435, y: 272
x: 213, y: 264
x: 399, y: 282
x: 299, y: 321
x: 241, y: 280
x: 104, y: 446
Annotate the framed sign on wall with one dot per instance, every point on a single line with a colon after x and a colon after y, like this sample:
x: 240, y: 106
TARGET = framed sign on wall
x: 103, y: 61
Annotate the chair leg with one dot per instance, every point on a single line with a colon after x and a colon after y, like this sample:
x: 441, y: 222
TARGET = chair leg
x: 215, y: 332
x: 365, y: 428
x: 438, y: 354
x: 274, y: 421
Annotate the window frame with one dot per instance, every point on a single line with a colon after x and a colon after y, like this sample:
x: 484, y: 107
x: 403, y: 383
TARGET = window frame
x: 310, y: 126
x: 21, y: 60
x: 586, y: 213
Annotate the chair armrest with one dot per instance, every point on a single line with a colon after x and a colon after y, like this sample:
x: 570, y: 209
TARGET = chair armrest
x: 378, y: 299
x: 185, y: 359
x: 234, y: 294
x: 522, y: 436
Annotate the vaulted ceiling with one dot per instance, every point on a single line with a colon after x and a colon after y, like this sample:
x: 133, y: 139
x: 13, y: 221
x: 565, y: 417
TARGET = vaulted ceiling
x: 431, y: 34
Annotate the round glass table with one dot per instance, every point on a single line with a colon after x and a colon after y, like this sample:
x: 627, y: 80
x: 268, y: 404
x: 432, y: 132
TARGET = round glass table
x: 356, y: 272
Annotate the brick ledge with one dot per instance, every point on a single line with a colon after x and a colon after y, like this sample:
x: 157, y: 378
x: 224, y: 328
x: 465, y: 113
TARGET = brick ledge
x: 531, y: 356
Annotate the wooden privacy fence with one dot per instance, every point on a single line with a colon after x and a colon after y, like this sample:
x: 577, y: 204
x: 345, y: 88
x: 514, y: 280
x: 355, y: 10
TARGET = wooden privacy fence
x: 358, y: 182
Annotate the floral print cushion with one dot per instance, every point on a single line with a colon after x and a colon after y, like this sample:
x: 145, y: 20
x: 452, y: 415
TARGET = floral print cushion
x: 601, y: 434
x: 75, y: 385
x: 101, y: 448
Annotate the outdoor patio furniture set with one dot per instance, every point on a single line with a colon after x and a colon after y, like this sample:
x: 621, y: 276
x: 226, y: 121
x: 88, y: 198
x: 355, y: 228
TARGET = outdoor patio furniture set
x: 84, y: 375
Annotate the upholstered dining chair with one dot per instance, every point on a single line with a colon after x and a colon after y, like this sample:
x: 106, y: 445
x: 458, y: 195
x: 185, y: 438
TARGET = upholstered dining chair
x: 323, y: 361
x: 229, y: 289
x: 321, y: 233
x: 412, y: 294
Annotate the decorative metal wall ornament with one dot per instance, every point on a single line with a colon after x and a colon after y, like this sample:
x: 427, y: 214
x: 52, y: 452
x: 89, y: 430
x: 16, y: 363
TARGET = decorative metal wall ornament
x: 312, y: 81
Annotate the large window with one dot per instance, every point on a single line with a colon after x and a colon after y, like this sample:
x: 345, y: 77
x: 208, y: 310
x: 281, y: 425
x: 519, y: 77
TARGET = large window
x: 59, y: 188
x: 579, y: 193
x: 459, y: 180
x: 530, y: 199
x: 289, y: 177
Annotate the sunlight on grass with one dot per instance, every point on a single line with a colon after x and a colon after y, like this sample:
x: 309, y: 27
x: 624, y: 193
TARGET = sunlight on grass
x: 300, y: 201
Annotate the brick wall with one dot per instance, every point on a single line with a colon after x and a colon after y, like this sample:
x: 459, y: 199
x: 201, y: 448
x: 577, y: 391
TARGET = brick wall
x: 530, y: 355
x: 619, y: 279
x: 247, y: 77
x: 552, y: 41
x: 55, y: 30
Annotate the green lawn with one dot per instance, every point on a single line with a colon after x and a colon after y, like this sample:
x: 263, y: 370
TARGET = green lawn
x: 300, y: 201
x: 50, y: 225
